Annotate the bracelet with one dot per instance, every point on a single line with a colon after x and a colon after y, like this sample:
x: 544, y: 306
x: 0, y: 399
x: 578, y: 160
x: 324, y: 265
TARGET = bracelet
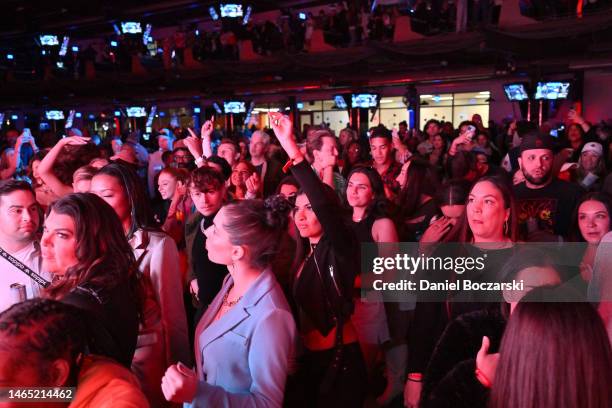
x: 200, y: 160
x: 288, y: 165
x: 415, y: 377
x: 483, y: 378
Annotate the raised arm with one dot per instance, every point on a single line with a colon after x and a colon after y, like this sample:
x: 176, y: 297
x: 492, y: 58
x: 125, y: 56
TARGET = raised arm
x: 326, y: 210
x: 200, y: 148
x: 45, y: 169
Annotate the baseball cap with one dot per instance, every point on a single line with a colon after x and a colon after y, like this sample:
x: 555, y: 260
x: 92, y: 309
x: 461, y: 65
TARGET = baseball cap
x: 535, y: 140
x: 593, y: 147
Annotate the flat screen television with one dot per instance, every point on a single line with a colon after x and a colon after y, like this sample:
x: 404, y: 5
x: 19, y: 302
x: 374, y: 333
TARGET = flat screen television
x: 516, y: 92
x: 552, y: 90
x: 234, y: 107
x: 131, y: 27
x: 340, y: 102
x: 231, y: 10
x: 136, y: 112
x: 54, y: 115
x: 364, y: 100
x: 49, y: 40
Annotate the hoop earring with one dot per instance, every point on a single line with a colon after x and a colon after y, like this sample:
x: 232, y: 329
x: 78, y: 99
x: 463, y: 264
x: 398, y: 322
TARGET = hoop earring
x: 506, y: 227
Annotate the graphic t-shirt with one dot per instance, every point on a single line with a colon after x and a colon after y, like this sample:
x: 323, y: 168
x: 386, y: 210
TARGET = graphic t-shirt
x: 548, y: 209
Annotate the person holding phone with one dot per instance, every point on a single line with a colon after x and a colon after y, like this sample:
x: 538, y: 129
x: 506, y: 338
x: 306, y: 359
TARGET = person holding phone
x: 19, y: 157
x: 465, y: 140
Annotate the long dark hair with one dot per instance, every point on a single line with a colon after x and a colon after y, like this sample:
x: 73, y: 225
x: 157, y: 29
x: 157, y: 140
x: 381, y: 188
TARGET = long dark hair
x: 553, y: 354
x: 105, y: 258
x: 302, y: 244
x: 420, y: 180
x: 461, y: 232
x: 379, y: 205
x: 348, y: 166
x: 575, y: 234
x: 452, y: 192
x: 140, y: 210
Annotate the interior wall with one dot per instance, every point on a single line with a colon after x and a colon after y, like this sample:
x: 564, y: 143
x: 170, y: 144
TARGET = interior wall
x: 597, y: 95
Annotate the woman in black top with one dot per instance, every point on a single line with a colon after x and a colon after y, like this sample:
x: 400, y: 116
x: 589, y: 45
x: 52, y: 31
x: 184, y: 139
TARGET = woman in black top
x: 84, y: 247
x: 326, y: 263
x: 488, y: 229
x: 415, y: 203
x: 365, y: 194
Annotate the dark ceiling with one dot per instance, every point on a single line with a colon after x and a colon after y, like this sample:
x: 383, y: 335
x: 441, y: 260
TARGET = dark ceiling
x: 541, y: 49
x: 87, y: 18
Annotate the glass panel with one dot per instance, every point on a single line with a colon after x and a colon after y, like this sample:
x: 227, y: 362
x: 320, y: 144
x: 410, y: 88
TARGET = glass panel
x: 336, y: 120
x: 305, y: 119
x: 392, y: 117
x: 465, y: 113
x: 311, y: 106
x: 437, y: 112
x: 392, y: 102
x: 330, y: 105
x: 437, y: 100
x: 472, y: 98
x: 317, y: 118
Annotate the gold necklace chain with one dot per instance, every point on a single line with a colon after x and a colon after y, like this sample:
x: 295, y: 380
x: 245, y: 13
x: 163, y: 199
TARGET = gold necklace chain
x: 231, y: 303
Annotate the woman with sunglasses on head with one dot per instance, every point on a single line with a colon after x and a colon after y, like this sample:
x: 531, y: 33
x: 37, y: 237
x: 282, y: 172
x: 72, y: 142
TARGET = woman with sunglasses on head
x: 332, y: 368
x: 288, y: 188
x: 163, y: 338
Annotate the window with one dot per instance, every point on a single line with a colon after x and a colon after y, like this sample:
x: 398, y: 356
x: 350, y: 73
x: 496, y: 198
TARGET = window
x: 454, y: 107
x: 324, y: 111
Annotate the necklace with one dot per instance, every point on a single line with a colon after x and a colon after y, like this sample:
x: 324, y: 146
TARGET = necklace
x: 229, y: 303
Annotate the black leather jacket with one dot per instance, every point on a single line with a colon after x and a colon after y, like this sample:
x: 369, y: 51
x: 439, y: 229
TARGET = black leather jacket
x: 324, y: 289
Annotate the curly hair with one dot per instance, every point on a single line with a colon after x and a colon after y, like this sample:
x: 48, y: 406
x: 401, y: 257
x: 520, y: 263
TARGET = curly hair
x: 38, y: 332
x: 70, y: 158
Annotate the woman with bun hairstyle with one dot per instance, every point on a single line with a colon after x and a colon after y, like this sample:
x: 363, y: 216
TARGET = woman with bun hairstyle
x: 245, y: 342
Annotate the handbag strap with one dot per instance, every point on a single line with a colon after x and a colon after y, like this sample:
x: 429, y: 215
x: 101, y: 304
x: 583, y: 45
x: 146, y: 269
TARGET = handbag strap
x: 25, y: 269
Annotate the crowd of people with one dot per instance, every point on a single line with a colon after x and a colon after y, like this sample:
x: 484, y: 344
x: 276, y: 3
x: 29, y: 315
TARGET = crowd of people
x: 227, y: 272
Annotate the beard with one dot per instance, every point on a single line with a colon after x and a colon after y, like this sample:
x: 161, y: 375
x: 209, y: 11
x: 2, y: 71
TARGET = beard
x: 538, y: 181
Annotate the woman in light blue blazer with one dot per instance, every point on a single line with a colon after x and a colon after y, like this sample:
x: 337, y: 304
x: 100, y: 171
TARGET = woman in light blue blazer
x: 245, y: 342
